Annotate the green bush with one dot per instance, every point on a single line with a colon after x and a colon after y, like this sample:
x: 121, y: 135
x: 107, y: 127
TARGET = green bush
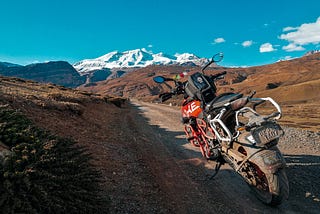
x: 45, y: 174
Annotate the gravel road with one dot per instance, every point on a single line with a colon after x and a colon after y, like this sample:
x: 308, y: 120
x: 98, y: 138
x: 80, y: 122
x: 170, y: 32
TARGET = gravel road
x: 185, y: 176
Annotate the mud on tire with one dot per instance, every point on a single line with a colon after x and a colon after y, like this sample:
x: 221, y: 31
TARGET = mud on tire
x: 278, y: 188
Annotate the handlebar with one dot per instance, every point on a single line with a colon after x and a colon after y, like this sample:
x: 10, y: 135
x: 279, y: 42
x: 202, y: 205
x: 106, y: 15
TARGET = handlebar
x: 179, y: 86
x: 218, y: 75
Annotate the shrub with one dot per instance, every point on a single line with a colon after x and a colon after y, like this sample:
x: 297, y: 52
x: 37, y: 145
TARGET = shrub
x: 273, y: 85
x: 44, y: 173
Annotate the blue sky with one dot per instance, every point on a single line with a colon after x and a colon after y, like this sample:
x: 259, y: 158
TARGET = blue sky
x: 248, y: 32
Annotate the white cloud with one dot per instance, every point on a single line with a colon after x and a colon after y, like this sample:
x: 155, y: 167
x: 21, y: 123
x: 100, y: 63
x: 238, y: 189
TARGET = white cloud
x: 305, y: 34
x: 247, y: 43
x: 266, y: 47
x: 293, y: 47
x: 289, y: 29
x: 150, y: 46
x: 219, y: 40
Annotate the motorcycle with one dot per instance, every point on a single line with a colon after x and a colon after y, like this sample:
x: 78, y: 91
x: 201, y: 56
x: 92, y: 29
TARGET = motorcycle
x: 228, y: 128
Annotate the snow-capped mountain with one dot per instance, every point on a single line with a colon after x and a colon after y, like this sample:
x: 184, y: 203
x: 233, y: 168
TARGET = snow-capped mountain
x: 135, y: 59
x: 311, y: 52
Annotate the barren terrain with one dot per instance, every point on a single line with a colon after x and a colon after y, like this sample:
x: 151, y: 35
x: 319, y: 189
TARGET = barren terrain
x: 146, y: 163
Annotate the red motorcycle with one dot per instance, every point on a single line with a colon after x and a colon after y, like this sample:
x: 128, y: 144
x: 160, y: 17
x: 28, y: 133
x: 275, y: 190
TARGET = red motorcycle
x: 228, y: 129
x: 198, y: 133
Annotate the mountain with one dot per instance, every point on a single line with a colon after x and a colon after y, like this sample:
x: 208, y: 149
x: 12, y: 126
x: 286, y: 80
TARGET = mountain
x: 311, y: 52
x: 135, y: 59
x: 58, y: 72
x: 7, y: 65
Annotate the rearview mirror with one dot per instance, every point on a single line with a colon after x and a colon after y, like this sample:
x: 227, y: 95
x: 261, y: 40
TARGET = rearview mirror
x: 159, y: 79
x: 217, y: 57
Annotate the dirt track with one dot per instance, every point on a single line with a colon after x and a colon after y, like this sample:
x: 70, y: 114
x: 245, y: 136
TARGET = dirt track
x: 182, y: 175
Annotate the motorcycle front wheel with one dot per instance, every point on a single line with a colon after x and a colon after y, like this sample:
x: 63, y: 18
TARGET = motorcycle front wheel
x: 271, y: 188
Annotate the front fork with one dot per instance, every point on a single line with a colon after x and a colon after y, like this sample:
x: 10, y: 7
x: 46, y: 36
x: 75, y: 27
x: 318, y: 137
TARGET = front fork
x: 192, y: 132
x: 196, y: 134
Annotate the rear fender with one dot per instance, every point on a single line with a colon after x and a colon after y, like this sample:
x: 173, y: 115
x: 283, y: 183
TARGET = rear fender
x: 269, y: 160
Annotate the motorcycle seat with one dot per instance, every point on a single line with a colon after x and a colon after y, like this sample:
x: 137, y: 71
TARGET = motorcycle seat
x: 222, y: 99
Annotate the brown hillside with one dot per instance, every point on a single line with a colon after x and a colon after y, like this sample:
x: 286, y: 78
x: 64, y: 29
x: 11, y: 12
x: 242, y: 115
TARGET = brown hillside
x: 286, y: 73
x: 139, y: 174
x: 93, y: 122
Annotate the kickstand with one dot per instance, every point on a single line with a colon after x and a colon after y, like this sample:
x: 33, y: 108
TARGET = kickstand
x: 218, y: 165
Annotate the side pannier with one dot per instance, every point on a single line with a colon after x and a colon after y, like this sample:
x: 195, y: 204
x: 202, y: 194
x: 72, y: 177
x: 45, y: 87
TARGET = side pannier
x: 199, y: 87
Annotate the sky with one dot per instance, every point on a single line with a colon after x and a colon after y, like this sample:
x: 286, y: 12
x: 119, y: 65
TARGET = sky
x: 248, y: 32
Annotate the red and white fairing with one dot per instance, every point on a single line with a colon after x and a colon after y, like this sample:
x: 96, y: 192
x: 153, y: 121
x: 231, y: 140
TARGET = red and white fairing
x: 191, y: 109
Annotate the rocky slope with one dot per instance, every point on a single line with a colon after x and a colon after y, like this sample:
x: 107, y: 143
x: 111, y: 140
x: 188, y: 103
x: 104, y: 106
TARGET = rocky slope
x: 59, y: 72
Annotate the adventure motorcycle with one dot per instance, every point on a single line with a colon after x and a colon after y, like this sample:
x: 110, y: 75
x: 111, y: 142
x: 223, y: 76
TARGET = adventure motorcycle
x: 228, y: 129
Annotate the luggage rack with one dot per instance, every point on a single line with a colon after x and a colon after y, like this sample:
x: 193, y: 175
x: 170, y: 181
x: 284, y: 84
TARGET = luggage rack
x: 216, y: 123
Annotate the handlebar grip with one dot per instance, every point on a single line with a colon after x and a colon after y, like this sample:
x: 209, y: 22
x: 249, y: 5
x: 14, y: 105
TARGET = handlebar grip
x: 165, y: 96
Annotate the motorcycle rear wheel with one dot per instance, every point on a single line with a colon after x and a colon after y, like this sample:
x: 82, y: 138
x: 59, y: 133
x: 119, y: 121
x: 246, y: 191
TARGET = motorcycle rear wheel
x: 271, y: 189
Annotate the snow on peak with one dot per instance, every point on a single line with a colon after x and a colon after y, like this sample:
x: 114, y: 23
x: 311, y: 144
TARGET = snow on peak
x: 112, y: 56
x: 134, y: 58
x: 187, y: 57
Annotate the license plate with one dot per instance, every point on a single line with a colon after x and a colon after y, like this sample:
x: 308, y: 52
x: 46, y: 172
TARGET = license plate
x: 267, y: 133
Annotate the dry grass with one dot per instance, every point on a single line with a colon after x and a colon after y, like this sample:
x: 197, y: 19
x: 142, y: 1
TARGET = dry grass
x: 24, y: 93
